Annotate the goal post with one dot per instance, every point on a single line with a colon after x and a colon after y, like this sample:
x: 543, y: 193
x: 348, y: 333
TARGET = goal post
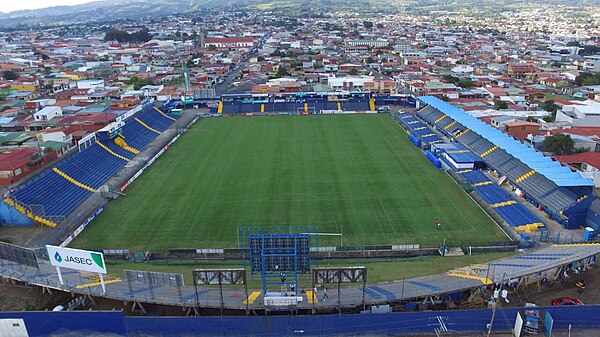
x: 306, y: 109
x: 341, y: 235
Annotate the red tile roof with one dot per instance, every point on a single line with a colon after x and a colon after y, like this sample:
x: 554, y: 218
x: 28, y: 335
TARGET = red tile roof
x: 564, y: 102
x: 15, y: 158
x: 590, y: 158
x: 520, y: 123
x: 581, y: 131
x: 228, y: 40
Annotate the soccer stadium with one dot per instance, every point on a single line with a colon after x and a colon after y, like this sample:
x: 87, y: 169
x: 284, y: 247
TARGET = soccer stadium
x: 280, y: 182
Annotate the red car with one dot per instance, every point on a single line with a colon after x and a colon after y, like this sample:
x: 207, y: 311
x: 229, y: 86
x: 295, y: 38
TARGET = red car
x: 566, y: 301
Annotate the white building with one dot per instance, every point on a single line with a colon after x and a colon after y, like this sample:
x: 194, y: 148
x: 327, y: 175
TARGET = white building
x: 54, y: 135
x: 584, y: 114
x: 463, y: 69
x: 369, y: 43
x: 592, y: 63
x: 348, y: 83
x: 90, y: 84
x: 47, y: 113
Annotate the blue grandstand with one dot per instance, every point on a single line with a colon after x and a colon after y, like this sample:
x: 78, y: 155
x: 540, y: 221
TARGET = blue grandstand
x: 302, y: 102
x: 503, y: 203
x: 417, y: 130
x: 563, y: 194
x: 59, y: 190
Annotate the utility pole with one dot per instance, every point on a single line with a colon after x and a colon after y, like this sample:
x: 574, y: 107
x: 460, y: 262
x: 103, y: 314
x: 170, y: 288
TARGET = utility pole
x: 495, y: 306
x: 490, y: 325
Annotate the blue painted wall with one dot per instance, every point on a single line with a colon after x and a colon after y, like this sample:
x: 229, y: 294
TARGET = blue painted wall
x: 11, y: 217
x: 85, y: 322
x: 41, y: 324
x: 375, y: 324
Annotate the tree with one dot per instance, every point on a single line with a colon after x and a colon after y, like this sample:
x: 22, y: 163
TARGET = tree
x: 139, y: 82
x: 380, y: 25
x: 589, y: 50
x: 10, y: 75
x: 586, y: 78
x: 277, y: 52
x: 549, y: 105
x: 211, y: 47
x: 465, y: 83
x: 500, y: 105
x: 282, y: 72
x: 353, y: 72
x: 594, y: 80
x: 142, y: 35
x: 368, y: 24
x: 559, y: 144
x: 450, y: 79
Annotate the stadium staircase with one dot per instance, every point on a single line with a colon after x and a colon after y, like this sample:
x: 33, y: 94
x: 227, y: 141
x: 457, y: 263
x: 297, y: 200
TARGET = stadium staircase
x: 51, y: 196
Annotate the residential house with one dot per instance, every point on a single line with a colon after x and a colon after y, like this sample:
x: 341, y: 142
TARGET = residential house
x: 519, y: 129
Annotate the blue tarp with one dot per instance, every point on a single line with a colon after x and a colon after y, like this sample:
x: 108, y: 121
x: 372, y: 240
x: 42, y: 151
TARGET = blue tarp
x: 554, y: 171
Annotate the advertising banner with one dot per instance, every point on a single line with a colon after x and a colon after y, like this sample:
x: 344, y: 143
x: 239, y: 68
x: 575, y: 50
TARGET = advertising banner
x: 77, y: 259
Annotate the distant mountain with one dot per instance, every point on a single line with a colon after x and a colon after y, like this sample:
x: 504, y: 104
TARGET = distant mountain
x: 108, y: 10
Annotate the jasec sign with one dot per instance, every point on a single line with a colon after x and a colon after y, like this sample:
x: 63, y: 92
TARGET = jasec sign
x: 77, y: 259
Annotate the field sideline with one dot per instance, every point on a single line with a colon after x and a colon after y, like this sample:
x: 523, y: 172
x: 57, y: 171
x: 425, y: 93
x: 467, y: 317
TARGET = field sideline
x: 352, y: 174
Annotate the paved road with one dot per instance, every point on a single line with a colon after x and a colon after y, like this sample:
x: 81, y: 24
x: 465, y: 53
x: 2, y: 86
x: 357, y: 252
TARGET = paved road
x: 526, y: 263
x: 221, y: 88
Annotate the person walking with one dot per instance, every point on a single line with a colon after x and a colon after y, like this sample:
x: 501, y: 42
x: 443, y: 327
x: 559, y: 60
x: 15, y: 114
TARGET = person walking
x: 325, y: 294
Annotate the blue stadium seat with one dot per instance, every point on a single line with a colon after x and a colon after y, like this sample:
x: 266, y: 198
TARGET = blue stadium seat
x: 91, y: 167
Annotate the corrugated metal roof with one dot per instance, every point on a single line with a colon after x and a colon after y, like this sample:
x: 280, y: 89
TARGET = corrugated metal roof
x: 554, y: 171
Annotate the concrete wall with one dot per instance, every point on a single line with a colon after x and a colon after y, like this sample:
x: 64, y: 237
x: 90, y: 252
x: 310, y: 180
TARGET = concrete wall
x: 11, y: 217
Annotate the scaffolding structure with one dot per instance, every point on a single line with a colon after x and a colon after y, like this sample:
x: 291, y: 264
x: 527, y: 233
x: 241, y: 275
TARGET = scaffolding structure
x: 280, y: 255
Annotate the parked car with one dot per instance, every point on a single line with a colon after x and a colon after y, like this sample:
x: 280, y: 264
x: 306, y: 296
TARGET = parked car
x: 566, y: 301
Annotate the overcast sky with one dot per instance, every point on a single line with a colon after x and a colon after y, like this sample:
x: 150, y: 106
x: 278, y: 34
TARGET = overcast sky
x: 14, y: 5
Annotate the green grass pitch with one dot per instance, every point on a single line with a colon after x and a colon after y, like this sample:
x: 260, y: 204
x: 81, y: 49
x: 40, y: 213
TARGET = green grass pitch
x: 353, y: 174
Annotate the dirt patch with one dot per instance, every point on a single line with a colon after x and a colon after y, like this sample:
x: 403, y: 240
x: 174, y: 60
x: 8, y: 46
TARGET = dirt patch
x: 565, y: 287
x: 17, y: 297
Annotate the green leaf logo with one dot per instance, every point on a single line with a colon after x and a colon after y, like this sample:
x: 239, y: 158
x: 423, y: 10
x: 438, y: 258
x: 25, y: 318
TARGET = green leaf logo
x: 97, y: 258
